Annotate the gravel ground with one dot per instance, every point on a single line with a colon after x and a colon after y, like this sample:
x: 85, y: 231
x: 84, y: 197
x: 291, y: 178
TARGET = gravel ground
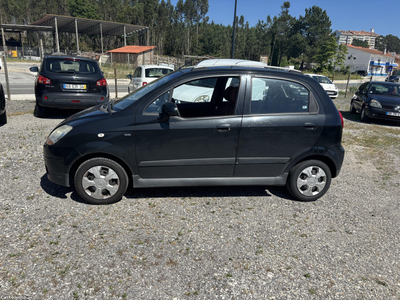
x: 198, y: 243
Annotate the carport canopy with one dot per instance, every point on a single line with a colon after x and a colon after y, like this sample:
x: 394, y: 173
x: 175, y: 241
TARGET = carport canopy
x: 86, y: 26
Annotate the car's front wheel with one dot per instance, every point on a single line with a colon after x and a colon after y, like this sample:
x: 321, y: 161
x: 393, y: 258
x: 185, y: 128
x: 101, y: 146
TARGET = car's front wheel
x: 309, y: 180
x: 352, y: 108
x: 363, y: 116
x: 101, y: 181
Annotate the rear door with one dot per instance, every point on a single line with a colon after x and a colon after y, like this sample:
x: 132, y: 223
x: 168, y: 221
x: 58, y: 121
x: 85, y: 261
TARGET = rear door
x: 281, y: 122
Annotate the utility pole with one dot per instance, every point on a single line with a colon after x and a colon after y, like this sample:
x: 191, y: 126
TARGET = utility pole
x: 234, y: 32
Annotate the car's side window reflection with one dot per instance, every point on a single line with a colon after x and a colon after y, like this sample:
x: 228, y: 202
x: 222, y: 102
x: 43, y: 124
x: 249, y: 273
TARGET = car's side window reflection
x: 203, y: 97
x: 269, y: 96
x: 156, y: 105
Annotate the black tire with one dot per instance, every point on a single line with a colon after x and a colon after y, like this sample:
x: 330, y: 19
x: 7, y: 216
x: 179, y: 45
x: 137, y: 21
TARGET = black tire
x: 309, y: 180
x: 92, y: 184
x: 363, y: 116
x: 3, y: 118
x: 352, y: 109
x: 40, y: 111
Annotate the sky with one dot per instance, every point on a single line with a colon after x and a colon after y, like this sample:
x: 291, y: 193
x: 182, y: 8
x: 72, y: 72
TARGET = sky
x: 354, y: 15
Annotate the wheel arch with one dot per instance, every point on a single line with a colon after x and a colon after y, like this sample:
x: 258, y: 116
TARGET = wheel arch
x: 325, y: 159
x: 118, y: 160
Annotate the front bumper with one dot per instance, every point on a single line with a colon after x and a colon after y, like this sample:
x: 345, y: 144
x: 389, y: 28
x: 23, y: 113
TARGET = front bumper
x: 382, y: 114
x: 58, y: 164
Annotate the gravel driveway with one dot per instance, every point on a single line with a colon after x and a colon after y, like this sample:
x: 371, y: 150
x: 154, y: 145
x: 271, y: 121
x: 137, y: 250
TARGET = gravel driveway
x: 200, y: 243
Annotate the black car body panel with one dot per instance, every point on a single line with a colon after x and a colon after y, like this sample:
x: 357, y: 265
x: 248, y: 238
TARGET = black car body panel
x: 243, y: 148
x: 3, y: 113
x: 70, y: 82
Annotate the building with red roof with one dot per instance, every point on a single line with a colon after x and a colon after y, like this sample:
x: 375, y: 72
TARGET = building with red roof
x: 371, y: 61
x: 136, y: 55
x: 346, y: 37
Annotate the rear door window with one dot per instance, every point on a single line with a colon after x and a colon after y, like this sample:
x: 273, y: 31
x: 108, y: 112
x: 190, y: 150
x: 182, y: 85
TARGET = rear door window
x: 270, y: 96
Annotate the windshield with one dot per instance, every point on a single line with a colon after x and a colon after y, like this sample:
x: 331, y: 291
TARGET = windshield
x: 385, y: 89
x: 157, y: 72
x: 144, y: 90
x: 322, y: 79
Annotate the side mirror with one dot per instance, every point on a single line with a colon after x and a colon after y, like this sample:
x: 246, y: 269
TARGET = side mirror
x: 129, y: 76
x: 34, y: 69
x: 167, y: 110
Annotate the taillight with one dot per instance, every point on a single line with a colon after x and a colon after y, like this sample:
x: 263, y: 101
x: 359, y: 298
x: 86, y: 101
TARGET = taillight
x: 341, y: 118
x: 144, y: 83
x: 101, y: 82
x: 43, y: 80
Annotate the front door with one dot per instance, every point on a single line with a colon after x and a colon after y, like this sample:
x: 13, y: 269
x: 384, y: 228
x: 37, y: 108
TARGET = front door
x: 197, y: 144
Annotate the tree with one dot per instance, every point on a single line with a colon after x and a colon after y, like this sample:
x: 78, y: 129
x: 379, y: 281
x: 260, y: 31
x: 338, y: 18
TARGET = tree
x: 315, y: 26
x: 325, y: 54
x: 360, y: 43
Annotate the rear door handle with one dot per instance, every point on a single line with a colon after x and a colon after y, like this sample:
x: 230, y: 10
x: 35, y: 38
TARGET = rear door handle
x: 310, y: 126
x: 224, y: 127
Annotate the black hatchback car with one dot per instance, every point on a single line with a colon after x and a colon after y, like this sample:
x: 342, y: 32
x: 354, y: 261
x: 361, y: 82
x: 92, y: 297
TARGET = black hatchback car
x: 68, y: 82
x: 3, y: 113
x: 256, y: 127
x: 377, y: 100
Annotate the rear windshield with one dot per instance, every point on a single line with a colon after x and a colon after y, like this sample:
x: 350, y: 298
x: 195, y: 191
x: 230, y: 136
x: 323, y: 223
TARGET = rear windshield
x: 71, y: 66
x: 157, y: 72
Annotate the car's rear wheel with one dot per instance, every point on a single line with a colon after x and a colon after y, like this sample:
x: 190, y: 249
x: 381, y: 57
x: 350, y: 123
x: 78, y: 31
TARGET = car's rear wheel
x: 363, y: 116
x: 352, y: 109
x: 39, y: 111
x: 309, y: 180
x: 101, y: 181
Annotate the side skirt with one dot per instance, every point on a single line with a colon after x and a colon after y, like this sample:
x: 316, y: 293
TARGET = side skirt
x: 225, y: 181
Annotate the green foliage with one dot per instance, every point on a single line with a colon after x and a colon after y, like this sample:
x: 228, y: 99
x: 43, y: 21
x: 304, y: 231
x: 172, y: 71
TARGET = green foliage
x: 185, y: 29
x: 360, y: 43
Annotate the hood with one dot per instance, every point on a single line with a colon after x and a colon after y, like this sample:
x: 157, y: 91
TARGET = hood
x: 386, y: 99
x: 328, y: 86
x: 89, y: 114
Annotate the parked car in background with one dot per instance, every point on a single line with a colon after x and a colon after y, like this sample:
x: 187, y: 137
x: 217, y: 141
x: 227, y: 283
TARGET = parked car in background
x: 276, y: 127
x: 327, y: 84
x: 392, y: 78
x: 147, y: 73
x: 68, y: 82
x: 377, y: 100
x: 3, y: 113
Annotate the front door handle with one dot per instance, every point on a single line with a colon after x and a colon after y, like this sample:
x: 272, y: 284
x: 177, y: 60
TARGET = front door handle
x: 224, y: 127
x: 310, y: 126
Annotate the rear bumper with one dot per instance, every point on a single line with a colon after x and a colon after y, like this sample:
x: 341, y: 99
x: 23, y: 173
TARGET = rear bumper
x: 71, y: 100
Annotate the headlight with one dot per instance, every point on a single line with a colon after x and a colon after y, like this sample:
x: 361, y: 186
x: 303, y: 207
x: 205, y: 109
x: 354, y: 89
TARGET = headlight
x: 375, y: 103
x: 203, y: 98
x: 57, y: 134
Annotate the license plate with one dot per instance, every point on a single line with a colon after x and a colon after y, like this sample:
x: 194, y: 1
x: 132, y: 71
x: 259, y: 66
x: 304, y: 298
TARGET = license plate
x: 68, y: 86
x: 395, y: 114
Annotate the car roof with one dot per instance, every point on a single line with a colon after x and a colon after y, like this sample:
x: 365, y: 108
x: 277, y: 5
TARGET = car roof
x: 56, y: 56
x: 156, y: 66
x: 223, y: 62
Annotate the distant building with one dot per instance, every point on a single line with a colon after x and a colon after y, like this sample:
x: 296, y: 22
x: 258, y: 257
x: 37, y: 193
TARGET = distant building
x: 372, y: 61
x: 346, y: 37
